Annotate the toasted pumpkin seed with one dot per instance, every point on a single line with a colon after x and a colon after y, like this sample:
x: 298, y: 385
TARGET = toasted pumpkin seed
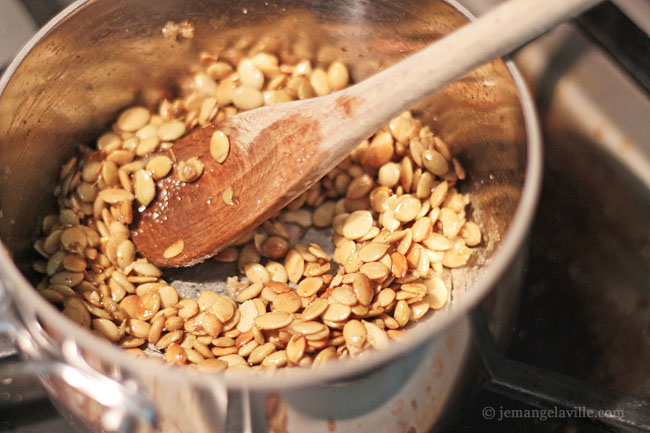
x: 247, y: 98
x: 274, y: 320
x: 171, y: 130
x: 227, y: 196
x: 314, y: 309
x: 355, y: 333
x: 336, y: 312
x: 129, y: 120
x: 376, y: 336
x: 174, y: 249
x: 357, y: 224
x: 159, y: 166
x: 421, y: 226
x: 337, y: 76
x: 219, y: 146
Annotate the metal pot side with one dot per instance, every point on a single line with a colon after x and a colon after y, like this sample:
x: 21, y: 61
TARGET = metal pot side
x: 97, y: 57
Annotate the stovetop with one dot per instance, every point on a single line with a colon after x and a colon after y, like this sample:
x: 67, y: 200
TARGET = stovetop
x: 585, y: 307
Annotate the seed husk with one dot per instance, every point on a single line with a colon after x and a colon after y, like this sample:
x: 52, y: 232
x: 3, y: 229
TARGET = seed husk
x: 189, y: 170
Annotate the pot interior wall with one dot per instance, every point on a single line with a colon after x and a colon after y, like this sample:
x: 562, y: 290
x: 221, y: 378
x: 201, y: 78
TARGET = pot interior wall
x: 110, y: 54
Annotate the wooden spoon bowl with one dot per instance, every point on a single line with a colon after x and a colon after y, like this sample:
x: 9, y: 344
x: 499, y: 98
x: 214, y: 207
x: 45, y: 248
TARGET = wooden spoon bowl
x: 264, y: 177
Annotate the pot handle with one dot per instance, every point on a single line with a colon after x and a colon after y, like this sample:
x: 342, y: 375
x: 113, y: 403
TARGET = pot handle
x: 542, y: 388
x: 127, y: 410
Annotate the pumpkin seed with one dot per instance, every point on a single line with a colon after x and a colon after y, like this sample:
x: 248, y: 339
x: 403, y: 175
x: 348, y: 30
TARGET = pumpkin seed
x: 355, y: 333
x: 219, y: 146
x: 337, y: 76
x: 309, y: 286
x: 159, y: 166
x: 129, y: 120
x: 394, y: 226
x: 357, y: 224
x: 174, y: 249
x: 274, y: 320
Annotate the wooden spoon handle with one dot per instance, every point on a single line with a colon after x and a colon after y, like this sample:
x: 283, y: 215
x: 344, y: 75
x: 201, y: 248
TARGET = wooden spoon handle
x: 497, y: 33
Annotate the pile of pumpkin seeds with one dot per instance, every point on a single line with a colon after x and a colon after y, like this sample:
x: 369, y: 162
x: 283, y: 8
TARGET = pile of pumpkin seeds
x: 396, y: 218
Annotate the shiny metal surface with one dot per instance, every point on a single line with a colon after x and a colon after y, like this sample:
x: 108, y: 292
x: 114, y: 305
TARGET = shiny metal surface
x: 89, y: 63
x: 126, y: 408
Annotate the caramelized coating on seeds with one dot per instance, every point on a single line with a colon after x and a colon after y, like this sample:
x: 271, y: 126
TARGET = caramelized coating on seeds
x: 398, y: 220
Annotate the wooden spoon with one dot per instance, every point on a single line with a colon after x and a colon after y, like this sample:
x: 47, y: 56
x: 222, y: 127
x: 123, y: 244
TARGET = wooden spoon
x: 277, y: 152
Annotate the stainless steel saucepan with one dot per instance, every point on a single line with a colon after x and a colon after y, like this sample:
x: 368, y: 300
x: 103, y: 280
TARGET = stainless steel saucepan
x: 98, y: 56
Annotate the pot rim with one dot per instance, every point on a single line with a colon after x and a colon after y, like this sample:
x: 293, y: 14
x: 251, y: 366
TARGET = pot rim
x: 26, y: 297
